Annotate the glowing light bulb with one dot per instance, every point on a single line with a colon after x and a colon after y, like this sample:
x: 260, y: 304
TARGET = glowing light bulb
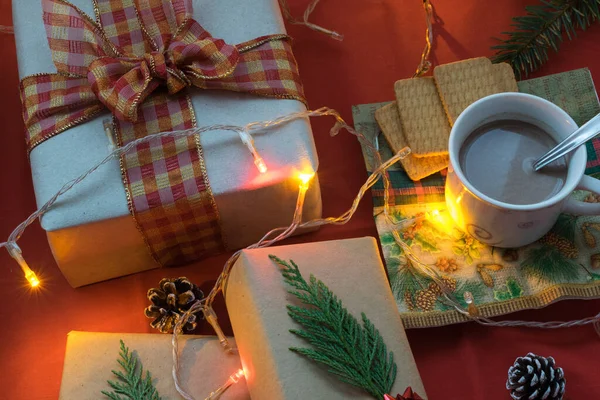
x: 305, y: 179
x: 15, y: 252
x: 237, y: 376
x: 442, y: 220
x: 32, y: 278
x: 260, y: 164
x: 234, y: 378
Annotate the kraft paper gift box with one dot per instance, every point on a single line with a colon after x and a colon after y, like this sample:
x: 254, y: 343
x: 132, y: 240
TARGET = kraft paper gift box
x: 256, y: 298
x: 90, y: 230
x: 204, y: 366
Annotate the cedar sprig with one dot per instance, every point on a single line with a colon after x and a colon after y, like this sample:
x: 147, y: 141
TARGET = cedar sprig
x: 543, y: 28
x: 355, y: 353
x: 132, y: 384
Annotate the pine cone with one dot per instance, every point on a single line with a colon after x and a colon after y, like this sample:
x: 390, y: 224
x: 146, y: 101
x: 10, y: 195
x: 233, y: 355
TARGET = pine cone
x: 446, y: 264
x: 590, y: 240
x: 425, y: 299
x: 592, y: 198
x: 170, y: 300
x: 408, y: 299
x: 535, y: 378
x: 595, y: 260
x: 448, y: 281
x: 435, y: 289
x: 565, y: 246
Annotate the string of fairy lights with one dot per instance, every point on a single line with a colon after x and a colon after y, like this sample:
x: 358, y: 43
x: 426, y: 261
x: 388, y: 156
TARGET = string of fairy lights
x: 449, y: 298
x: 276, y: 235
x: 245, y: 131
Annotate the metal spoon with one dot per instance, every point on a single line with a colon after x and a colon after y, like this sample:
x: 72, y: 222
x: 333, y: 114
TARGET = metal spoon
x: 586, y: 132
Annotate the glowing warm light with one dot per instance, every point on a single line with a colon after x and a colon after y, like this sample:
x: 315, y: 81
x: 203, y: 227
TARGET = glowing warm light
x: 453, y: 207
x: 305, y: 179
x: 237, y: 376
x: 442, y: 220
x: 233, y: 379
x: 32, y: 278
x: 15, y: 252
x: 260, y: 164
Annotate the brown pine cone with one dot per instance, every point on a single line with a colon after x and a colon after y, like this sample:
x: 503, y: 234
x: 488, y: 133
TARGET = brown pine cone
x: 425, y: 299
x: 435, y: 289
x: 592, y: 198
x: 590, y: 240
x: 595, y: 261
x: 170, y: 301
x: 449, y: 282
x: 592, y: 225
x: 446, y: 264
x: 566, y: 247
x: 408, y: 299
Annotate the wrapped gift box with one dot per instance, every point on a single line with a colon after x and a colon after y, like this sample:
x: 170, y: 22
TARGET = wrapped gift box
x: 90, y: 230
x: 256, y: 298
x: 204, y: 366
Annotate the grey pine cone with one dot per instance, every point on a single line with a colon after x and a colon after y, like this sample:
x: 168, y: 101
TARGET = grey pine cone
x: 535, y: 378
x: 170, y: 300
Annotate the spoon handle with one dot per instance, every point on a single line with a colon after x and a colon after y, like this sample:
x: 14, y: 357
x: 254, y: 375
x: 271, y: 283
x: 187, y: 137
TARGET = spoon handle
x: 586, y: 132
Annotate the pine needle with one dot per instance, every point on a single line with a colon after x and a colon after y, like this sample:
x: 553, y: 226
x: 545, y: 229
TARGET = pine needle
x: 543, y: 28
x: 547, y: 263
x: 355, y: 353
x: 132, y: 384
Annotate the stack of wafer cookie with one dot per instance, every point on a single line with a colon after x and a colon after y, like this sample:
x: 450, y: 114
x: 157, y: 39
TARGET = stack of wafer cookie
x: 426, y: 108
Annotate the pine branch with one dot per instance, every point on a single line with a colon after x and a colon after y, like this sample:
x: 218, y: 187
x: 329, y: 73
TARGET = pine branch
x: 132, y: 384
x: 355, y: 353
x: 543, y: 28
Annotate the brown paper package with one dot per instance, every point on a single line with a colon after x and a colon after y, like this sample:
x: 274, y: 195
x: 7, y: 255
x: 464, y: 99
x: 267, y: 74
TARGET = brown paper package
x: 256, y: 298
x: 204, y: 365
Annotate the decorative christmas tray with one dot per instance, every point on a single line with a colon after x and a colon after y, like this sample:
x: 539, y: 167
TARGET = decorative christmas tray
x: 563, y: 264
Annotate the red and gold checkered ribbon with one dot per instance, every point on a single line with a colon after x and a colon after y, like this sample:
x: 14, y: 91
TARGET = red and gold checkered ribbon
x: 137, y: 60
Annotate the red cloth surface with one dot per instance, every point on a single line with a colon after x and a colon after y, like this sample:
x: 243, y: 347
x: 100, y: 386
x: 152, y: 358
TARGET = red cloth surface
x: 383, y: 43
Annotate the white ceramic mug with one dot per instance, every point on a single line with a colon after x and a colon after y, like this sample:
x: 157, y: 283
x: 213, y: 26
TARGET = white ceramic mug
x: 513, y: 225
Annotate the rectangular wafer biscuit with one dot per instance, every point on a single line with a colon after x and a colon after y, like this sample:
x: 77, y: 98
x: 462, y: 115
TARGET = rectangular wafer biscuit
x: 416, y: 168
x: 424, y: 122
x: 462, y: 83
x: 505, y: 78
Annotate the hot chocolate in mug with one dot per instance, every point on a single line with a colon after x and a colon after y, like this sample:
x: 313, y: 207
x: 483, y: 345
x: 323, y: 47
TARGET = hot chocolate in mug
x: 501, y: 224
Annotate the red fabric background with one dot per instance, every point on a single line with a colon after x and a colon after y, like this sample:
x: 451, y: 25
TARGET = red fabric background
x: 383, y: 43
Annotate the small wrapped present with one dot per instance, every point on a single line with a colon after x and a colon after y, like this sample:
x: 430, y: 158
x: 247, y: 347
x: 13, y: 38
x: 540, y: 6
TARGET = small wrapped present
x: 91, y: 357
x: 97, y: 72
x: 256, y: 298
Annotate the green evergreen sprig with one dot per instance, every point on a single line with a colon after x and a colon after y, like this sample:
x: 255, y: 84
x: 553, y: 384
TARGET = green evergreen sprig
x: 543, y: 28
x: 133, y: 384
x: 355, y: 353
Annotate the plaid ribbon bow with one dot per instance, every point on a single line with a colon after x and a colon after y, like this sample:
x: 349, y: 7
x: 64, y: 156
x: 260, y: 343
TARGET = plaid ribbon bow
x: 136, y: 60
x: 122, y: 83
